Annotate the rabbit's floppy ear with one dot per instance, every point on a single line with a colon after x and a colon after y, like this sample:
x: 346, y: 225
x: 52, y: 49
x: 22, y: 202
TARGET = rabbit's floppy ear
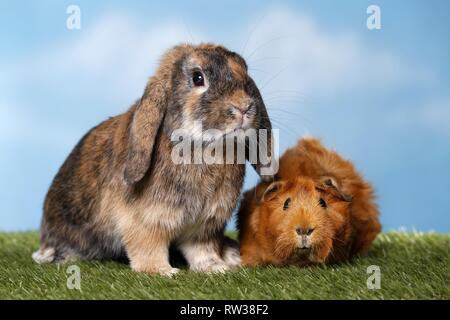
x: 145, y: 123
x: 266, y: 165
x: 148, y: 115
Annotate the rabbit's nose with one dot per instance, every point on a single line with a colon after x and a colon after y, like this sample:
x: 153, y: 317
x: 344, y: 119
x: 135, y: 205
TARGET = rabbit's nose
x: 240, y: 110
x: 304, y: 231
x: 243, y: 109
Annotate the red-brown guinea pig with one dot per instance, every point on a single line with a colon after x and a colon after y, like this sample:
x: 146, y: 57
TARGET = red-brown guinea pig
x: 318, y: 210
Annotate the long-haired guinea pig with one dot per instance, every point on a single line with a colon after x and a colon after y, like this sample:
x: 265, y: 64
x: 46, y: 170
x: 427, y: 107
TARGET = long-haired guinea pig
x: 319, y: 210
x: 120, y: 194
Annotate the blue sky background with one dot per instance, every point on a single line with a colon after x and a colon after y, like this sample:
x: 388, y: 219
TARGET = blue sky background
x: 381, y: 98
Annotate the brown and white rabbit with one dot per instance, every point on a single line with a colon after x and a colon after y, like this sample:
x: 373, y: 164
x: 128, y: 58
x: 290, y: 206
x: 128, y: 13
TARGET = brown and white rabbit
x: 320, y: 210
x: 119, y: 194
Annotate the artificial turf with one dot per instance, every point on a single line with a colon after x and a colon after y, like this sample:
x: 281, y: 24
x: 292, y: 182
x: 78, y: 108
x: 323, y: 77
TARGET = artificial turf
x: 412, y: 266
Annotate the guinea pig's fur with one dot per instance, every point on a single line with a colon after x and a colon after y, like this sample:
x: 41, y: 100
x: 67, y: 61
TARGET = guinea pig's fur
x: 119, y: 194
x: 319, y: 210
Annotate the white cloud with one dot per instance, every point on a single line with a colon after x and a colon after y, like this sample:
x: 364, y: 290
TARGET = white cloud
x: 109, y: 61
x: 432, y: 115
x: 437, y: 115
x: 115, y: 50
x: 9, y: 122
x: 321, y: 63
x: 115, y: 56
x: 18, y: 127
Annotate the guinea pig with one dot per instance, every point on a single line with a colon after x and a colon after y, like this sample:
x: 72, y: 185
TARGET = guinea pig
x: 120, y: 194
x: 319, y: 210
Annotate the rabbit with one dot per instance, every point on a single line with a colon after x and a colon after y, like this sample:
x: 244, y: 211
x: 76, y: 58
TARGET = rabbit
x: 318, y: 210
x: 119, y: 194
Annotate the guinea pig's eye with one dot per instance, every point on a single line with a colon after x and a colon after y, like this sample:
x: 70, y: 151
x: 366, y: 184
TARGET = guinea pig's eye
x: 286, y: 204
x: 198, y: 79
x: 322, y: 203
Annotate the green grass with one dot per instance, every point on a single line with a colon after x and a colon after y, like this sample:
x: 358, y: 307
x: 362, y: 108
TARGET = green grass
x: 413, y: 266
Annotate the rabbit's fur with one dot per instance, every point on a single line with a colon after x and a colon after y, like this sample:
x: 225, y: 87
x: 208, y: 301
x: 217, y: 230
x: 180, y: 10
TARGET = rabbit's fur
x: 119, y: 194
x: 319, y: 210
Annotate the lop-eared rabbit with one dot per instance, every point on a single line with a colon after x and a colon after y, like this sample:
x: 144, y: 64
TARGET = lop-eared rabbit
x: 119, y: 194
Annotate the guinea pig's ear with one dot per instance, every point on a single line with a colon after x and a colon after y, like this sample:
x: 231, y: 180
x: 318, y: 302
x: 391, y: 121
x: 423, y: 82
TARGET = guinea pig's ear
x: 330, y: 186
x: 146, y: 120
x: 271, y: 191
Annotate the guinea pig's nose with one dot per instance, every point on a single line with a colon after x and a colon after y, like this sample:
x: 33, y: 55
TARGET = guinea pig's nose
x: 304, y: 231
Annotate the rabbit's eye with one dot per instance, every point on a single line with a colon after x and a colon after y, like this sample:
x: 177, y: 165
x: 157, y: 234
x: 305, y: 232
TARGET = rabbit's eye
x: 286, y: 204
x: 322, y: 203
x: 198, y: 79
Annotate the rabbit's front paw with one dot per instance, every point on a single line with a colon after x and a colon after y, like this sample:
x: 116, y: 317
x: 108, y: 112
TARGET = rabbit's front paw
x: 169, y: 272
x: 231, y: 256
x: 203, y: 257
x: 211, y: 267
